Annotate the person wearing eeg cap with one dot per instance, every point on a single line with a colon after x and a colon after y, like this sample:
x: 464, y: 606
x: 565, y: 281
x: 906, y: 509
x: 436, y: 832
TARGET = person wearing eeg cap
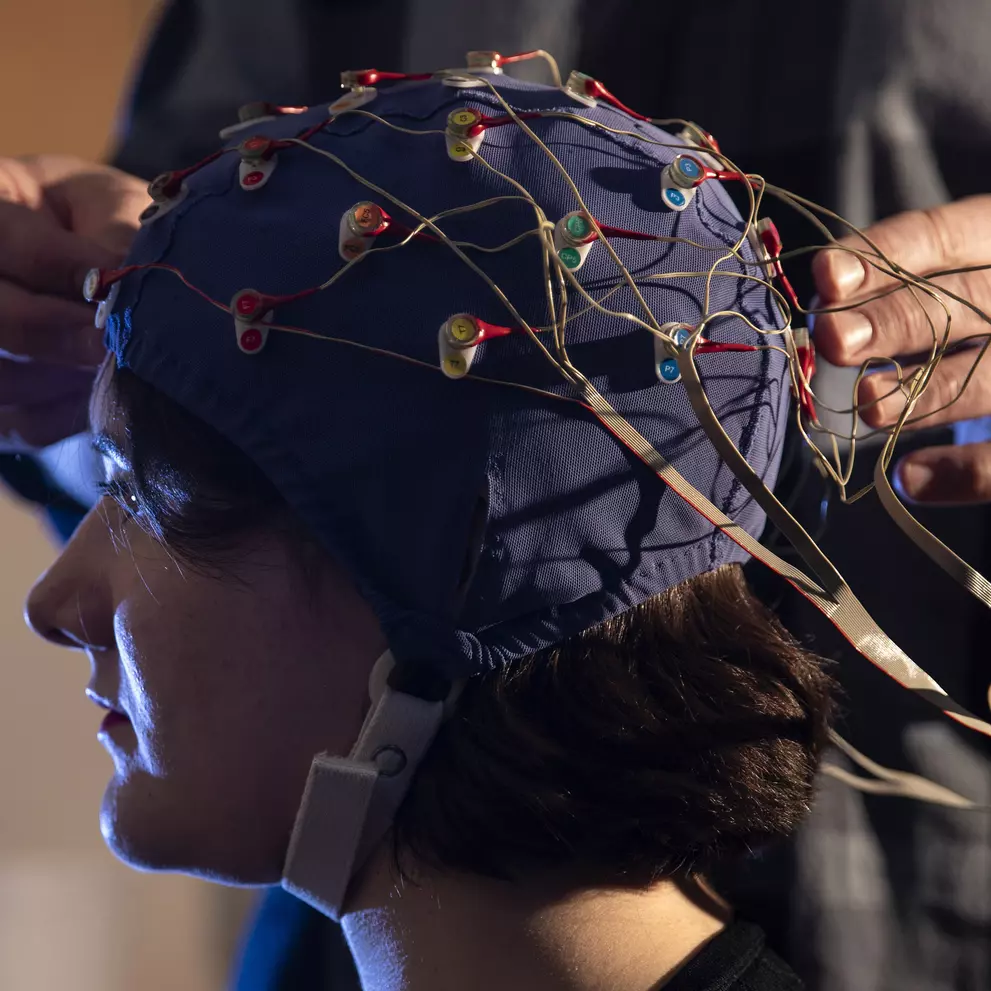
x: 535, y: 683
x: 885, y: 113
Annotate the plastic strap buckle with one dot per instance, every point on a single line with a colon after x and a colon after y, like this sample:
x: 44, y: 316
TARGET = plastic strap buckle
x: 349, y: 803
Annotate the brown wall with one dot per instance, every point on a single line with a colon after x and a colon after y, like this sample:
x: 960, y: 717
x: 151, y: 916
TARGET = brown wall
x: 71, y: 917
x: 62, y: 67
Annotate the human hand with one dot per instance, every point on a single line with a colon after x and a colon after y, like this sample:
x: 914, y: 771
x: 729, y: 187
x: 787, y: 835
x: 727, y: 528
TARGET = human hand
x: 59, y: 217
x: 955, y: 236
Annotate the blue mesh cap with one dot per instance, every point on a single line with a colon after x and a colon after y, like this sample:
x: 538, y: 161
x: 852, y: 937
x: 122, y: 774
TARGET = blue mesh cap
x: 386, y: 460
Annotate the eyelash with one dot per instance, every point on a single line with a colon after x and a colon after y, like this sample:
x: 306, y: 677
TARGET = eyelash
x: 121, y: 494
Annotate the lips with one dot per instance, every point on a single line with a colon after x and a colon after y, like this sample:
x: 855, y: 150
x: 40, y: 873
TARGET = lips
x: 112, y: 719
x: 105, y: 703
x: 115, y: 714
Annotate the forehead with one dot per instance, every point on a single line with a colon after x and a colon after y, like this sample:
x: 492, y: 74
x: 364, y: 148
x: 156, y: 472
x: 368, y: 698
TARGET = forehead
x: 103, y: 424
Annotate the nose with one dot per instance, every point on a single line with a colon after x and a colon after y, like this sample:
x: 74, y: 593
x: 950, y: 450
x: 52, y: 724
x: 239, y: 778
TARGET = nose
x: 70, y: 604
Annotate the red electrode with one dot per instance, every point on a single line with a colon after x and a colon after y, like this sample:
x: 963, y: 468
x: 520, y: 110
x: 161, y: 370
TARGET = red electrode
x: 260, y: 108
x: 99, y: 281
x: 466, y: 331
x: 771, y: 239
x: 360, y: 78
x: 258, y: 148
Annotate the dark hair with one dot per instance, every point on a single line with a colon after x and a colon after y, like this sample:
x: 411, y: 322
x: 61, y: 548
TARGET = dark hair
x: 683, y: 732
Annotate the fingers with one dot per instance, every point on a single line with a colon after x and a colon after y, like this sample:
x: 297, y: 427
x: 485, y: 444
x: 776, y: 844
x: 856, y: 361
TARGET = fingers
x: 34, y: 384
x: 943, y: 401
x: 921, y: 241
x: 954, y: 236
x: 946, y: 476
x: 45, y: 328
x: 101, y: 204
x: 24, y: 428
x: 902, y: 323
x: 38, y: 254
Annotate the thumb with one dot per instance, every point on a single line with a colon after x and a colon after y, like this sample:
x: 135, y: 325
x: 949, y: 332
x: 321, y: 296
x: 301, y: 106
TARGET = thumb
x: 41, y: 256
x: 102, y: 205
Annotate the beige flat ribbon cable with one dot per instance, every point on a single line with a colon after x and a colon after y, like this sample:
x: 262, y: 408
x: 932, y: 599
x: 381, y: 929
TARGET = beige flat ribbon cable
x: 889, y: 782
x: 833, y: 597
x: 830, y: 594
x: 955, y: 566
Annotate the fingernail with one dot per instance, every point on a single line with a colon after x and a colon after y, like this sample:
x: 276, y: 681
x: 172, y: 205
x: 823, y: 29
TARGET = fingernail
x: 912, y: 478
x: 875, y: 409
x: 846, y: 271
x: 854, y: 330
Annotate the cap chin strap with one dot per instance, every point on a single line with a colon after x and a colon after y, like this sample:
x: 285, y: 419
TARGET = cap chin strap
x: 350, y: 802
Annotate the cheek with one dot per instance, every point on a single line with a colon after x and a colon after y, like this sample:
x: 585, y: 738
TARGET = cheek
x: 233, y: 691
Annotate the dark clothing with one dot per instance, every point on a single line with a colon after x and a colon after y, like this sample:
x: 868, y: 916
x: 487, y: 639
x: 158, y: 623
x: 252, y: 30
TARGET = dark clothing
x: 868, y: 106
x: 736, y: 960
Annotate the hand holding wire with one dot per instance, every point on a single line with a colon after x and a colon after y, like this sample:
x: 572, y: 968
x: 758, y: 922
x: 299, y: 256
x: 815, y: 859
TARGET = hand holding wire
x: 876, y: 314
x: 59, y: 216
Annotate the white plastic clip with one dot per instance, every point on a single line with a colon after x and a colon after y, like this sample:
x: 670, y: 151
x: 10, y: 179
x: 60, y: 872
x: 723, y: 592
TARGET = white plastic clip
x: 464, y: 136
x: 456, y: 79
x: 679, y: 180
x: 358, y: 227
x: 258, y: 162
x: 254, y: 175
x: 689, y: 136
x: 576, y: 88
x: 95, y: 291
x: 93, y: 286
x: 106, y: 306
x: 358, y: 97
x: 457, y: 340
x: 665, y: 362
x: 250, y: 318
x: 574, y: 237
x: 484, y: 62
x: 252, y: 338
x: 166, y: 193
x: 760, y: 249
x: 476, y: 64
x: 248, y: 116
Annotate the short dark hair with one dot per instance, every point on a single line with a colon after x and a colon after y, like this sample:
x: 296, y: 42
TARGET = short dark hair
x: 679, y: 734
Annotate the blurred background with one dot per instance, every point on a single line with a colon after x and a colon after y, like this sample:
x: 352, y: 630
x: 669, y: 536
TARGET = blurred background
x: 71, y: 917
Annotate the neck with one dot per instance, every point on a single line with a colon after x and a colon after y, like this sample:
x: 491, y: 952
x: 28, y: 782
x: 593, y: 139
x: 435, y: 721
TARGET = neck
x: 454, y: 931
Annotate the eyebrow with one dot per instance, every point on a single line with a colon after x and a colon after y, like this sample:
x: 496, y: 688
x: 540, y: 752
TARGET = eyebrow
x: 104, y: 444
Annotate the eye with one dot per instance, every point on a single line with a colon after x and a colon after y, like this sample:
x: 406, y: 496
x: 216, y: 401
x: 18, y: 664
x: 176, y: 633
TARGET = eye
x: 121, y: 493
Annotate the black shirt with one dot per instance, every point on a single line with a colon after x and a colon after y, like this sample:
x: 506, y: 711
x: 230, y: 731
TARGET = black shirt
x: 735, y: 960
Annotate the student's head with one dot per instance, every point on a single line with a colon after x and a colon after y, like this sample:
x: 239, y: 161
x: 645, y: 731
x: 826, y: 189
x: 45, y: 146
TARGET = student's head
x: 290, y: 514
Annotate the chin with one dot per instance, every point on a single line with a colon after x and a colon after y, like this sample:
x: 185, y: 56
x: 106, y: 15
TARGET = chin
x: 148, y: 835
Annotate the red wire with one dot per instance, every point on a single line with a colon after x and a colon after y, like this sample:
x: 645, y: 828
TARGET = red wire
x: 406, y: 231
x: 182, y: 279
x: 712, y: 347
x: 734, y: 177
x: 372, y: 76
x: 807, y: 360
x: 788, y: 288
x: 622, y: 232
x: 520, y: 57
x: 594, y: 88
x: 185, y: 173
x: 487, y: 122
x: 310, y: 131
